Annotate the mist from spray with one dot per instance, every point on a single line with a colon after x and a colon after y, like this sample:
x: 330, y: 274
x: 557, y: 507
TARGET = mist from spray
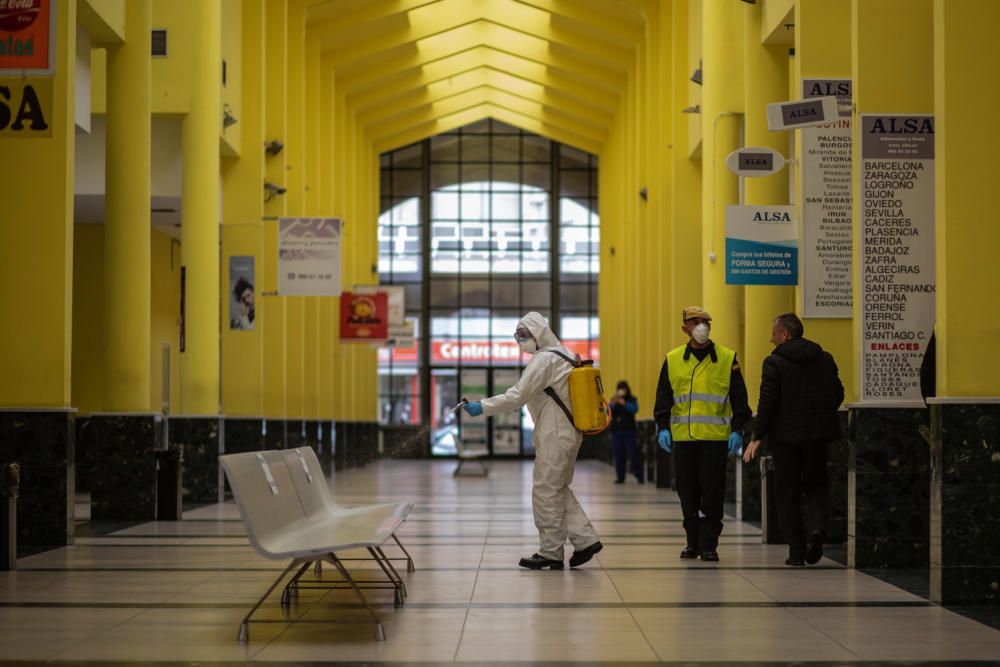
x: 404, y: 448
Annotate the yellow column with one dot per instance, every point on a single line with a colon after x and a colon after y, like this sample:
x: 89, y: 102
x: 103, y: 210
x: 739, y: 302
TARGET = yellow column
x: 295, y: 152
x: 893, y: 70
x: 686, y: 256
x: 967, y: 237
x: 823, y: 50
x: 36, y: 239
x: 273, y: 319
x: 721, y: 108
x: 200, y: 215
x: 242, y: 229
x: 766, y: 72
x: 126, y: 223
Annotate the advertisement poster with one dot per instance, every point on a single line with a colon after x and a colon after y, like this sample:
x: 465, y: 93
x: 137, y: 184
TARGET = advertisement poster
x: 27, y: 37
x: 364, y: 317
x: 897, y: 254
x: 827, y: 198
x: 309, y: 256
x: 761, y: 245
x: 241, y: 293
x: 25, y: 108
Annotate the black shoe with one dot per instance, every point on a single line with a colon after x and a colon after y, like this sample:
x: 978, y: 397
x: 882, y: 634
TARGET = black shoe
x: 712, y: 556
x: 581, y: 556
x: 795, y: 562
x: 619, y: 481
x: 641, y: 481
x: 536, y: 562
x: 689, y: 553
x: 814, y: 548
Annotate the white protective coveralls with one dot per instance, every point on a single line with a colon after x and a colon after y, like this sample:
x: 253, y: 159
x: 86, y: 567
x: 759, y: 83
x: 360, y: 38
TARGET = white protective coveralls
x: 558, y: 514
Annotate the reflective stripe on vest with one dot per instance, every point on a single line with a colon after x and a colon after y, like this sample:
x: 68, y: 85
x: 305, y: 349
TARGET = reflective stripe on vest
x: 701, y: 409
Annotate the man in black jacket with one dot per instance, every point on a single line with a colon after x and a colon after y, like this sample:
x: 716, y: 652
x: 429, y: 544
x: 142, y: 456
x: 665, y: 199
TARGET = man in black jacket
x: 800, y: 392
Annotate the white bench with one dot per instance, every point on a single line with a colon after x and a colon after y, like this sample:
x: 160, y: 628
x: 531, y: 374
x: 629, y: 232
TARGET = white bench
x: 288, y: 513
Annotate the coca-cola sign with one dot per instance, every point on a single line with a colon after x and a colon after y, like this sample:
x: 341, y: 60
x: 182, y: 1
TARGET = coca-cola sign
x: 27, y: 36
x: 16, y: 15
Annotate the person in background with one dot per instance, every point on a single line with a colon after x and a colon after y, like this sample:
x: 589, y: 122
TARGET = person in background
x: 701, y: 407
x: 624, y: 406
x: 800, y: 391
x: 558, y: 514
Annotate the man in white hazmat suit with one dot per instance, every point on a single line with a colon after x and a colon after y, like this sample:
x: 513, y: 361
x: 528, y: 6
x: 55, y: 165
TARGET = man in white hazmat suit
x: 558, y: 514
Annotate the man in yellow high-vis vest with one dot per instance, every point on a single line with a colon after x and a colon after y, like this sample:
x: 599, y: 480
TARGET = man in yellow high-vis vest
x: 701, y: 407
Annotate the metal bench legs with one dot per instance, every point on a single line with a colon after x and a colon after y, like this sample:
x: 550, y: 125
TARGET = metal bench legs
x: 379, y: 630
x: 244, y: 633
x: 409, y: 559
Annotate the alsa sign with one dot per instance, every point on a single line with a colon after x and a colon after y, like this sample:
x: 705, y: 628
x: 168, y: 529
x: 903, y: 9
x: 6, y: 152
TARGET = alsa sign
x: 25, y: 108
x: 27, y: 37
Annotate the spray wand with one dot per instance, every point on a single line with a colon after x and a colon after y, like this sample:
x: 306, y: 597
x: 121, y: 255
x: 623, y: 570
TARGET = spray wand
x: 460, y: 404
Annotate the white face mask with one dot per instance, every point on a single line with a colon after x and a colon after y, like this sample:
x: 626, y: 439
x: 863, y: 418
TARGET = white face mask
x: 528, y: 345
x: 700, y: 333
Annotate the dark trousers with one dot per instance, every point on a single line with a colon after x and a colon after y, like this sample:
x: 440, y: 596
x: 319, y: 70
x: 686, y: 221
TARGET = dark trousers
x: 800, y: 470
x: 701, y: 485
x: 626, y: 448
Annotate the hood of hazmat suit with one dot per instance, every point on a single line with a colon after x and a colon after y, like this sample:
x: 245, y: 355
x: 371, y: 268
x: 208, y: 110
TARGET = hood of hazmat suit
x: 558, y: 515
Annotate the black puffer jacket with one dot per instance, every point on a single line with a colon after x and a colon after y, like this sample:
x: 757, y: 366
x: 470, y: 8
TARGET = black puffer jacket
x: 800, y: 392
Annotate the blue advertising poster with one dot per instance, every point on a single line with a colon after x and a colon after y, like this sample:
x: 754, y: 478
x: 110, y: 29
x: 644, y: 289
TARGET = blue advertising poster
x: 762, y: 245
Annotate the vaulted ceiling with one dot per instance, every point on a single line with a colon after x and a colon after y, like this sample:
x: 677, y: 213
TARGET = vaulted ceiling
x: 409, y: 69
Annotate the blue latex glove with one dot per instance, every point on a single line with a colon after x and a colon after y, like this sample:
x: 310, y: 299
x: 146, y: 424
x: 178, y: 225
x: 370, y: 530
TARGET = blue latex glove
x: 665, y: 442
x: 735, y: 444
x: 473, y: 409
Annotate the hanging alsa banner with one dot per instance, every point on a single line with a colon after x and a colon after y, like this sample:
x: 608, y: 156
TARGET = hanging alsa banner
x: 896, y: 254
x: 827, y: 199
x: 761, y: 245
x: 27, y: 37
x: 309, y: 256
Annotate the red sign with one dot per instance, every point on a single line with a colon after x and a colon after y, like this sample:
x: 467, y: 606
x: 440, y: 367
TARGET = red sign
x: 497, y: 353
x: 26, y: 28
x: 364, y: 317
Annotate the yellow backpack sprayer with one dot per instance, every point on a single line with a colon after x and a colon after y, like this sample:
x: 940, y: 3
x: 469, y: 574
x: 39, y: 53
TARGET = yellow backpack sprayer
x: 591, y: 413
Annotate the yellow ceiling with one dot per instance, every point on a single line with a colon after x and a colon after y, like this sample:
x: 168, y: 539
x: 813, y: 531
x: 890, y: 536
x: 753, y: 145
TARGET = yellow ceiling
x: 409, y: 69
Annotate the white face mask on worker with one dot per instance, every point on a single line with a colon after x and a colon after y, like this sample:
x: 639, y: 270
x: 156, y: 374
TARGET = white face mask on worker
x: 700, y: 333
x: 528, y: 345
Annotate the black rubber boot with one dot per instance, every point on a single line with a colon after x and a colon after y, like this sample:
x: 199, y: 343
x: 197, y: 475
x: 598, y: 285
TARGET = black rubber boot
x: 583, y: 555
x: 689, y: 553
x: 814, y: 548
x: 536, y: 562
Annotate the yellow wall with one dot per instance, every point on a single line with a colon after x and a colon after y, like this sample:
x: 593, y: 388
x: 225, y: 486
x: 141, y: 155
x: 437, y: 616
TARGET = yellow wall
x: 88, y: 317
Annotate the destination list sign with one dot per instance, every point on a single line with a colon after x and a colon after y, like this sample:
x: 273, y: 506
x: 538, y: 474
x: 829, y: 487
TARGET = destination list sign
x: 827, y: 260
x: 896, y: 254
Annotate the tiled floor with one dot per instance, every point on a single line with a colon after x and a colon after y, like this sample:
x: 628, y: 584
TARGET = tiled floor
x: 177, y: 591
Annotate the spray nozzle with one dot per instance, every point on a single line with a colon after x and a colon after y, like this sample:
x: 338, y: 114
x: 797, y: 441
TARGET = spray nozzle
x: 460, y: 404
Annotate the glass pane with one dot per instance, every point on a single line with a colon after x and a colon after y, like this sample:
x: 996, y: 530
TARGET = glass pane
x: 444, y: 147
x: 472, y: 431
x: 506, y: 177
x: 475, y: 148
x: 475, y: 292
x: 411, y: 156
x: 536, y: 294
x: 573, y: 158
x: 506, y: 148
x: 444, y: 205
x: 537, y: 149
x: 507, y: 425
x: 574, y: 184
x: 506, y: 206
x: 406, y: 183
x: 479, y: 127
x: 574, y: 297
x: 536, y: 206
x: 444, y: 422
x: 538, y: 176
x: 506, y: 293
x: 475, y: 176
x: 444, y: 292
x: 444, y: 175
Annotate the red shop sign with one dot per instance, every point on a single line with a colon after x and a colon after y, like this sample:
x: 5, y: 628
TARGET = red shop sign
x: 364, y: 317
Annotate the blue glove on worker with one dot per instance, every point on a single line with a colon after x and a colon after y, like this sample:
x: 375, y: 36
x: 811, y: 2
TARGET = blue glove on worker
x: 473, y: 409
x: 735, y: 444
x: 665, y: 442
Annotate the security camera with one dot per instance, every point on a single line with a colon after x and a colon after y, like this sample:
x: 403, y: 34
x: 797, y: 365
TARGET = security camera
x: 273, y: 147
x: 271, y: 190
